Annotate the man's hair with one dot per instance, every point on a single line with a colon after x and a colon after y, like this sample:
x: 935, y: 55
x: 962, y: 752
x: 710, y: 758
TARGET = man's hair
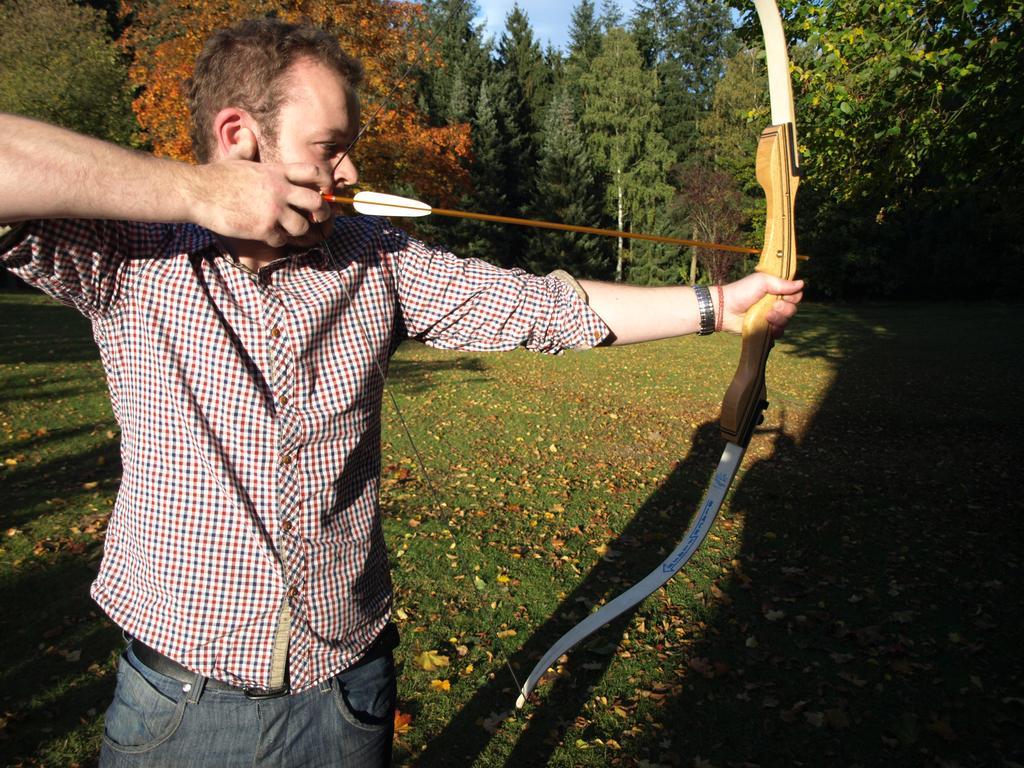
x: 244, y: 65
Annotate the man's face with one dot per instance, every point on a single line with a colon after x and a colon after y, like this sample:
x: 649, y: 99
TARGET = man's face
x: 317, y: 122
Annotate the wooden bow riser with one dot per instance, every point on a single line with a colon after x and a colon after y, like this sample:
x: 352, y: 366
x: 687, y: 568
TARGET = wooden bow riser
x: 777, y: 173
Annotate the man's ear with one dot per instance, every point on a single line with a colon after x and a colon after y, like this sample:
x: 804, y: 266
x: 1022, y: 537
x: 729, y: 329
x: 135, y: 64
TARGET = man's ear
x: 235, y: 133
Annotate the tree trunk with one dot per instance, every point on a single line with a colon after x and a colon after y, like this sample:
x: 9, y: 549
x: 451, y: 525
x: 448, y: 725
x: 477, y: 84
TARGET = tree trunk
x: 620, y: 258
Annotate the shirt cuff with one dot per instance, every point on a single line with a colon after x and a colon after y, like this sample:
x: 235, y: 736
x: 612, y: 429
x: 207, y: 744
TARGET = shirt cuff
x: 572, y: 282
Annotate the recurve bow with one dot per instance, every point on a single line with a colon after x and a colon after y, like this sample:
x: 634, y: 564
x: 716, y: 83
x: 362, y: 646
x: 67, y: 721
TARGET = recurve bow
x: 778, y: 172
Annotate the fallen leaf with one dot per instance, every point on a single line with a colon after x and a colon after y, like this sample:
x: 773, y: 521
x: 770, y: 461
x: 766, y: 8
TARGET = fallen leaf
x: 403, y: 722
x: 431, y: 661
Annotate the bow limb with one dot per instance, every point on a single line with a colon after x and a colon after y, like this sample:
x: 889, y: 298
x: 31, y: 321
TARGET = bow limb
x: 778, y: 171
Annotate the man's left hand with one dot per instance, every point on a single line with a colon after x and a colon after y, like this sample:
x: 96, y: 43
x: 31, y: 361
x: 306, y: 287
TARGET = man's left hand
x: 741, y: 295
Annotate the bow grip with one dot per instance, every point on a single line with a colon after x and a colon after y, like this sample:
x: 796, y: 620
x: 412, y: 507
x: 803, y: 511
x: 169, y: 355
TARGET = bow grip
x: 744, y: 401
x: 778, y: 174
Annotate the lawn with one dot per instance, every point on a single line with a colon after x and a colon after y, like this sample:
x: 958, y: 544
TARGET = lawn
x: 857, y: 604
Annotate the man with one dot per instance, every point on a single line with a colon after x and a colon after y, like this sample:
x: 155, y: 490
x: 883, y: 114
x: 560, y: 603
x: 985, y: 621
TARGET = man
x: 245, y: 358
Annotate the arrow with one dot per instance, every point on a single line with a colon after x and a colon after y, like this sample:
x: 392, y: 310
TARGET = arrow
x: 381, y: 204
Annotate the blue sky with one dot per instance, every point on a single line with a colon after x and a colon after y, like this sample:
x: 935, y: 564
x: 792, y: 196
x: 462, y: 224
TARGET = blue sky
x: 549, y: 18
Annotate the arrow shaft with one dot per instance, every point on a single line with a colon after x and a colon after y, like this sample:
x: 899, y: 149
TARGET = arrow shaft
x: 452, y: 213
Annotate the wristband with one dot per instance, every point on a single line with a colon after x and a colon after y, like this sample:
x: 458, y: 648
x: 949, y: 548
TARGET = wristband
x: 706, y: 309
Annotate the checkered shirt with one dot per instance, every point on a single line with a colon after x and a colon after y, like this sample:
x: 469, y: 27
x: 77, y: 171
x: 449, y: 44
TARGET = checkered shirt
x: 250, y: 413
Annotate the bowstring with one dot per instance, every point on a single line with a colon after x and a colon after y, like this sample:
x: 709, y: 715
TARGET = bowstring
x: 337, y: 267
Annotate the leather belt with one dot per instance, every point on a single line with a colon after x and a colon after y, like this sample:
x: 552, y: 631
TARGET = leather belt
x: 168, y: 667
x: 386, y: 642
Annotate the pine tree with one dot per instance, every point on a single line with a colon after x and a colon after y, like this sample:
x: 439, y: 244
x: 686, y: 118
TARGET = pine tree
x: 448, y: 93
x: 686, y: 42
x: 584, y: 38
x: 523, y: 90
x: 621, y: 113
x: 569, y: 191
x: 489, y: 173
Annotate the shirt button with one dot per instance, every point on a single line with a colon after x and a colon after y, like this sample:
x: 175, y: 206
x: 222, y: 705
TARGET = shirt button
x: 293, y: 592
x: 286, y: 526
x: 286, y: 460
x: 283, y: 400
x: 275, y: 331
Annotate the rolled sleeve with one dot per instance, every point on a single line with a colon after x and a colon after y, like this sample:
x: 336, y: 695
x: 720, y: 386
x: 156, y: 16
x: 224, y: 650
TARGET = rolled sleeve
x: 78, y: 262
x: 468, y: 304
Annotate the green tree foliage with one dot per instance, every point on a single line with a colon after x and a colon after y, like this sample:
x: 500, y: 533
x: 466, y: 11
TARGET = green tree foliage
x: 569, y: 191
x: 491, y: 148
x: 621, y: 116
x: 729, y: 132
x: 686, y: 42
x: 584, y: 40
x: 524, y: 84
x: 910, y: 117
x: 58, y: 64
x: 449, y: 93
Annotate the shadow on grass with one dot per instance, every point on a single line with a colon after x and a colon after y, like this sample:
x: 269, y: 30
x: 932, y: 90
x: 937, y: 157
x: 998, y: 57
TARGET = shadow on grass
x: 643, y: 544
x: 58, y: 480
x: 876, y: 620
x: 872, y: 615
x: 57, y: 673
x: 415, y: 375
x: 39, y: 330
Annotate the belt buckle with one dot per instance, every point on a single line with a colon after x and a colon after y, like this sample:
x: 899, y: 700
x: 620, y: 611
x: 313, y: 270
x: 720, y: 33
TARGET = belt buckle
x: 262, y: 694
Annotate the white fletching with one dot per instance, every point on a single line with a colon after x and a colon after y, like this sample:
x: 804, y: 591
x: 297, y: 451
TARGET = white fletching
x: 380, y: 204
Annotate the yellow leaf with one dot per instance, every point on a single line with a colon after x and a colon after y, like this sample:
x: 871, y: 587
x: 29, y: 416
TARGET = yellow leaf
x: 431, y: 661
x: 440, y: 685
x: 507, y: 633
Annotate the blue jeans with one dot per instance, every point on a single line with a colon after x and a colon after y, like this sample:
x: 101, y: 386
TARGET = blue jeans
x: 347, y: 721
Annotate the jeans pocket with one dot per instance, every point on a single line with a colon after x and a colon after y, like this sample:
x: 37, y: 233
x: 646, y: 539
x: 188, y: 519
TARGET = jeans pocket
x: 142, y: 716
x: 366, y: 696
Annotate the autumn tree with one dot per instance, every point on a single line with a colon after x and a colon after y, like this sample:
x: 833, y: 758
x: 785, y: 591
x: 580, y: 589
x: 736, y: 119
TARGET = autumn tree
x: 166, y: 36
x: 711, y: 204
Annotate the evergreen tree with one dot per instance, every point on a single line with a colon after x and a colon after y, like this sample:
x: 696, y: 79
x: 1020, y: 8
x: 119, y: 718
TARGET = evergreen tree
x: 447, y: 93
x: 621, y: 113
x: 611, y: 15
x: 568, y: 190
x: 584, y: 36
x: 523, y: 90
x: 489, y: 176
x: 687, y: 43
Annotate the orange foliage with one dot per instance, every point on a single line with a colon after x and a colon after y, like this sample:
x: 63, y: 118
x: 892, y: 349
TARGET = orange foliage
x: 165, y: 36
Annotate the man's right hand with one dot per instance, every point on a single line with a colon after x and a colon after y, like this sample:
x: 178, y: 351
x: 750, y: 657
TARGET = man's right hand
x: 52, y: 173
x: 268, y: 202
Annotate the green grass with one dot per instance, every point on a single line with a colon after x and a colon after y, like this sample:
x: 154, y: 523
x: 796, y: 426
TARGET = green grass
x: 858, y: 603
